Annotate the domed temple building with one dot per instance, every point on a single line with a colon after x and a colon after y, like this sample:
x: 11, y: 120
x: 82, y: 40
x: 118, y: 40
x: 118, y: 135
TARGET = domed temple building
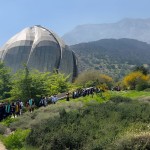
x: 40, y: 49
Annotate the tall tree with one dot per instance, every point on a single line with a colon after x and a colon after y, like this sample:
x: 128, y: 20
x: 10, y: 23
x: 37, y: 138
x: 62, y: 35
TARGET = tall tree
x: 21, y: 84
x: 5, y: 81
x: 33, y: 83
x: 26, y: 83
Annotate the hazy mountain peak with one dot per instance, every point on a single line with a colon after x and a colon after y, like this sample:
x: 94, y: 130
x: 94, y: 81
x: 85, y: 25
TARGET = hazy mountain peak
x: 126, y: 28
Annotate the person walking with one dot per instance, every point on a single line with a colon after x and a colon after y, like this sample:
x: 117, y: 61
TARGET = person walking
x: 67, y: 96
x: 13, y: 108
x: 30, y: 104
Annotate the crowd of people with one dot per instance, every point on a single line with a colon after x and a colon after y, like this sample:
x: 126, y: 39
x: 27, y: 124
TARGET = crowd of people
x: 10, y: 109
x: 84, y: 92
x: 44, y: 101
x: 14, y: 109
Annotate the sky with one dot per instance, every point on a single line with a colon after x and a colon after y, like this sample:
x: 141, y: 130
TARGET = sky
x: 62, y: 16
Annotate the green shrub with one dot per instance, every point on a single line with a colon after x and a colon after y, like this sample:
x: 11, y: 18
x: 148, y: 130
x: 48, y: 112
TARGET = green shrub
x: 93, y: 127
x: 26, y: 147
x: 147, y: 89
x: 54, y: 134
x: 141, y: 86
x: 62, y: 113
x: 134, y: 142
x: 28, y: 119
x: 7, y: 121
x: 120, y: 99
x: 15, y: 141
x: 2, y: 129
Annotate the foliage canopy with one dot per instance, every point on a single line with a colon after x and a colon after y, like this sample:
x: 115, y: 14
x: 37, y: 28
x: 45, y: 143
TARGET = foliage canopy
x: 5, y: 81
x: 94, y: 78
x: 30, y: 84
x: 134, y: 79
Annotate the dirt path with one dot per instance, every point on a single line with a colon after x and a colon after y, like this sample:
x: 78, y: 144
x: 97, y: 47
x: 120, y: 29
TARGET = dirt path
x: 7, y: 132
x: 2, y: 147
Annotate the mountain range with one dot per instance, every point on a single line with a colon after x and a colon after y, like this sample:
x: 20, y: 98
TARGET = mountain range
x: 115, y: 57
x: 127, y: 28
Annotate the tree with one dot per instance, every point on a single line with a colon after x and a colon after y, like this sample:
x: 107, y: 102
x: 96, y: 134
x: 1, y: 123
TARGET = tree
x: 21, y: 81
x: 93, y: 78
x: 33, y: 84
x: 26, y: 83
x: 142, y: 69
x: 134, y: 79
x: 5, y: 81
x: 57, y: 83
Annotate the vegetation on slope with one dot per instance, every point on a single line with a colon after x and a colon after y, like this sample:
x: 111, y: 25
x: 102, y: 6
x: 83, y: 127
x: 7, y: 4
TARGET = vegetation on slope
x: 112, y: 57
x: 97, y: 126
x: 85, y: 123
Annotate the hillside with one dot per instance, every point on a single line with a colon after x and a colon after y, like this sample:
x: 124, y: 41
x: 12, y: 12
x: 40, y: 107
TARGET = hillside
x: 116, y: 123
x: 127, y: 28
x: 111, y: 56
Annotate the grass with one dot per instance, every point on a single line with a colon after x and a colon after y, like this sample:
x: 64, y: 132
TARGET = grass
x: 131, y: 94
x: 108, y: 94
x: 7, y: 121
x: 89, y: 98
